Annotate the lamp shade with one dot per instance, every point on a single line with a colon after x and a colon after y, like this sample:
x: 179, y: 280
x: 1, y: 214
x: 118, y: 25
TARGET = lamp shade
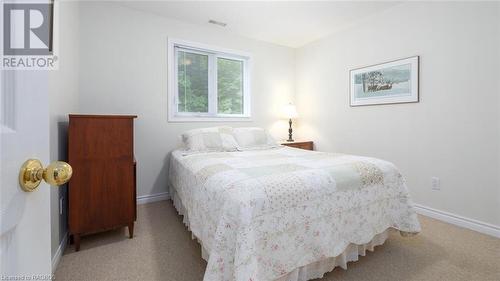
x: 290, y: 111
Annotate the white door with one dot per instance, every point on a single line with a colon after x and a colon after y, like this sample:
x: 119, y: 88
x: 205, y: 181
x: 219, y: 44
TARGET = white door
x: 25, y: 243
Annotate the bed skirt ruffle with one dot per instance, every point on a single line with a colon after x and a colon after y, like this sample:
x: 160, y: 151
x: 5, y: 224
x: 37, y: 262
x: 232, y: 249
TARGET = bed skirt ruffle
x: 307, y: 272
x: 320, y: 268
x: 185, y: 219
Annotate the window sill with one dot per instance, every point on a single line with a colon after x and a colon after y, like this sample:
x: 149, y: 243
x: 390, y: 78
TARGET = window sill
x: 176, y: 119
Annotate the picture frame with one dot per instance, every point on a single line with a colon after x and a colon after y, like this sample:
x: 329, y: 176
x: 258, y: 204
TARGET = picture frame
x: 385, y: 83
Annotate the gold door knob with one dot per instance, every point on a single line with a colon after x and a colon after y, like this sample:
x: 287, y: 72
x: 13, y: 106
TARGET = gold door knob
x: 32, y: 173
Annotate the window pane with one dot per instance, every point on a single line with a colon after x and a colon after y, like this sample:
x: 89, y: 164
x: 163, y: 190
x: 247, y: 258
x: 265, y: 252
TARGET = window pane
x: 192, y: 77
x: 229, y: 86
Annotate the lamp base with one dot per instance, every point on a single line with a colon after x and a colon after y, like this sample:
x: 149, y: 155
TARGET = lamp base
x: 290, y: 131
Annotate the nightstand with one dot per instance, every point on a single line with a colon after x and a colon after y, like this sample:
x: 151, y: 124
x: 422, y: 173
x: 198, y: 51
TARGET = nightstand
x: 309, y: 145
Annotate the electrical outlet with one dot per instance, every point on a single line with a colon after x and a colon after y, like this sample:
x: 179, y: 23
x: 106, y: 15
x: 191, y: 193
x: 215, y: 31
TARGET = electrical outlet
x: 435, y: 183
x: 61, y: 205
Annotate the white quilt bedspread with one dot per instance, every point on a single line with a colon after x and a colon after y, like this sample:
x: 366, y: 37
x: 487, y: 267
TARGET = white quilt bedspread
x: 261, y: 214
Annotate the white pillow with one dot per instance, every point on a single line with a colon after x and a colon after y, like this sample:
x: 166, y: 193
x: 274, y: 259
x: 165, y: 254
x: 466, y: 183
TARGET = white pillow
x: 210, y: 139
x: 253, y: 138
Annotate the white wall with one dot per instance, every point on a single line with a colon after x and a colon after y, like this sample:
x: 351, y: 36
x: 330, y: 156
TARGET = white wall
x: 123, y: 70
x: 63, y: 99
x: 452, y: 133
x: 114, y: 60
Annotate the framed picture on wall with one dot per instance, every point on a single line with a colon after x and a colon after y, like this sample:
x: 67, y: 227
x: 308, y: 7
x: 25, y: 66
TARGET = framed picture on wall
x: 385, y: 83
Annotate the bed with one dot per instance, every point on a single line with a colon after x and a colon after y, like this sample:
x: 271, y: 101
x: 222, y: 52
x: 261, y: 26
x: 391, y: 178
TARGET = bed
x: 284, y: 213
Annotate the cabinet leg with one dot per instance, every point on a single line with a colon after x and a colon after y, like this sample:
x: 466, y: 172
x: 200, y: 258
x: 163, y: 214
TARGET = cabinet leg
x: 76, y: 240
x: 131, y: 230
x: 71, y: 241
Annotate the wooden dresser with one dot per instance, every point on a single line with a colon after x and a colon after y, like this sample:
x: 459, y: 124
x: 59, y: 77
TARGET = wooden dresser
x: 102, y: 191
x: 309, y: 145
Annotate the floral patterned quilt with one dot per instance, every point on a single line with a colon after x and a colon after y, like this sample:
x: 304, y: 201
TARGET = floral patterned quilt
x: 261, y: 214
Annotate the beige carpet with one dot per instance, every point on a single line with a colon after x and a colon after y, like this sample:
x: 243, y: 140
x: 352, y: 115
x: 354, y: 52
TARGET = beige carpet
x: 162, y: 249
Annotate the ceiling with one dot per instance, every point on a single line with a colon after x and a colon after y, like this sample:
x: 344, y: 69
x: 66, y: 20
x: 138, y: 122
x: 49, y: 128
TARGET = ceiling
x: 288, y: 23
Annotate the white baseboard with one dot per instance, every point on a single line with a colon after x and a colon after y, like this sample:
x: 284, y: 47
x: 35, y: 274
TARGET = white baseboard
x: 144, y: 199
x: 58, y: 255
x: 457, y: 220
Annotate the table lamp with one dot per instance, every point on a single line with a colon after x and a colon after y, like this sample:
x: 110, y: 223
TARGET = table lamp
x: 290, y: 112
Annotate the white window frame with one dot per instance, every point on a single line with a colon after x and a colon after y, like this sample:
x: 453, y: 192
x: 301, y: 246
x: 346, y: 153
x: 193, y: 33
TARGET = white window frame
x: 213, y: 53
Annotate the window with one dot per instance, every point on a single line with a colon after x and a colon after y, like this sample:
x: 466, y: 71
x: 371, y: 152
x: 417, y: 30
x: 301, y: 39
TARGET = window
x: 207, y: 83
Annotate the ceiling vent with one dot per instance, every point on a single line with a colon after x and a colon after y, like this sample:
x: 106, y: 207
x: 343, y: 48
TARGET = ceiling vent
x: 223, y: 24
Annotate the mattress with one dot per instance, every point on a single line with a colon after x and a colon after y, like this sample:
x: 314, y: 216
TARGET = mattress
x: 261, y: 215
